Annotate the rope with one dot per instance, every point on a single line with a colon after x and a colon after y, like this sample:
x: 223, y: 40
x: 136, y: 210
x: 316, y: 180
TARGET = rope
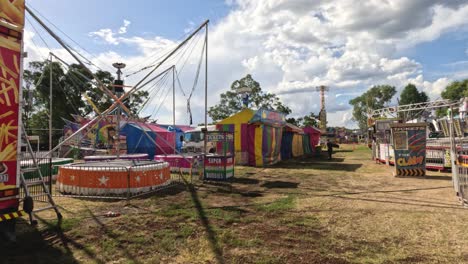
x: 89, y: 62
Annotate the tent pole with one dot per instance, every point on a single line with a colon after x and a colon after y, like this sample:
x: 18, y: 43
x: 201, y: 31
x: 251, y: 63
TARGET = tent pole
x: 173, y: 107
x: 50, y: 107
x: 206, y: 86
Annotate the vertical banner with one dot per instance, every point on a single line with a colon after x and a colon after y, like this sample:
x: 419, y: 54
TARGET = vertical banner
x: 11, y: 28
x: 409, y: 144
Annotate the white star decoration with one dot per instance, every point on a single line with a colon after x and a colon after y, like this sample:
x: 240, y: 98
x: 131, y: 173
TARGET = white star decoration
x: 161, y: 176
x: 137, y: 178
x: 72, y: 178
x: 103, y: 180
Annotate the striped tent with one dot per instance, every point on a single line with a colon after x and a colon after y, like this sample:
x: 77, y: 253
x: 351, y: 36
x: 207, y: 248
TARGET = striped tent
x: 257, y: 136
x: 292, y: 142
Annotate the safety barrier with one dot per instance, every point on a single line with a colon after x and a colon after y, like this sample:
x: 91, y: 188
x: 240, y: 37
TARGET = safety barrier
x: 114, y: 179
x: 462, y: 164
x: 438, y: 154
x: 33, y: 180
x: 187, y: 164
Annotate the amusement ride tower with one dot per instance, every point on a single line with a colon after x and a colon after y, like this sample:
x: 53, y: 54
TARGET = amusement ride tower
x: 323, y: 113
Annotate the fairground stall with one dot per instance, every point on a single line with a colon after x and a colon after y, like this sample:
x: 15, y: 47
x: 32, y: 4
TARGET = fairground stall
x: 257, y: 136
x: 219, y: 165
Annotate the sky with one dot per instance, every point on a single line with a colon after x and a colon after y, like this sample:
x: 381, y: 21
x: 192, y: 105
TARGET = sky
x: 289, y: 46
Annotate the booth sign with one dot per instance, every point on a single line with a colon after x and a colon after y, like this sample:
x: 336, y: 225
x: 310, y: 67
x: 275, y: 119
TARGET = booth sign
x: 219, y: 168
x: 409, y: 143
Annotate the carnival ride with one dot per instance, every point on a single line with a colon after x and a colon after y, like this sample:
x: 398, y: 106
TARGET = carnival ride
x: 106, y: 171
x: 448, y: 151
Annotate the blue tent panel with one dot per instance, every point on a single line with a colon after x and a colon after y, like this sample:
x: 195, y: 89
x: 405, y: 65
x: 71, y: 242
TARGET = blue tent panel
x: 286, y: 145
x: 138, y: 142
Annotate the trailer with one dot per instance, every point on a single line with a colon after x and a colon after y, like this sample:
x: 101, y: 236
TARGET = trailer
x: 11, y: 61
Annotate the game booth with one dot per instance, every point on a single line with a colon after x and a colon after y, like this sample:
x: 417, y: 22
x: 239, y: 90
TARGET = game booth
x: 292, y: 142
x: 219, y: 164
x: 257, y: 136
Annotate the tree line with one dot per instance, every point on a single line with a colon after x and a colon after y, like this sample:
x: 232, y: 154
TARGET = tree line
x: 70, y: 85
x: 380, y: 96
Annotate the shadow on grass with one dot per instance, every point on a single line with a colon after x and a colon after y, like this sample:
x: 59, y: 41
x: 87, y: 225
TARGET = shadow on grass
x: 280, y: 184
x: 387, y: 201
x: 245, y: 180
x: 114, y: 237
x: 334, y: 164
x: 210, y: 233
x: 44, y: 245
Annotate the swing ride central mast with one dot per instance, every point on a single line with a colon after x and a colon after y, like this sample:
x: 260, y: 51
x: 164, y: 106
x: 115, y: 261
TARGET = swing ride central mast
x: 118, y: 90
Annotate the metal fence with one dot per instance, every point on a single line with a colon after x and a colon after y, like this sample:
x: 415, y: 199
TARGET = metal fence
x: 33, y: 179
x: 438, y: 155
x: 462, y: 164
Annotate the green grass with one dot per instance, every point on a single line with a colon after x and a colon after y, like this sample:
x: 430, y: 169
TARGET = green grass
x: 279, y: 205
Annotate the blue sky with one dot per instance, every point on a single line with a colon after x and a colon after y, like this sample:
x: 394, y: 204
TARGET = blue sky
x: 285, y: 45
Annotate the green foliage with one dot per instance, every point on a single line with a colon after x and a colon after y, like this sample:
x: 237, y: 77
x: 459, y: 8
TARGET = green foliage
x: 231, y: 101
x: 375, y: 98
x: 307, y: 120
x: 456, y: 90
x: 411, y: 95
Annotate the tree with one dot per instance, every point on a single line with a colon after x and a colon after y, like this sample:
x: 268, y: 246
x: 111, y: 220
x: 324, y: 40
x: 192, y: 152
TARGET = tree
x: 68, y: 86
x: 231, y: 101
x: 375, y: 98
x: 454, y: 91
x: 311, y: 120
x: 411, y: 95
x: 307, y: 120
x: 295, y: 121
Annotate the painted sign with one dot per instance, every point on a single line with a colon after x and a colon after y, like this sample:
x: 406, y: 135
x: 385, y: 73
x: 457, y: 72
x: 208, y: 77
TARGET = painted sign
x: 268, y: 117
x: 219, y: 137
x: 11, y: 28
x: 409, y: 143
x: 219, y: 168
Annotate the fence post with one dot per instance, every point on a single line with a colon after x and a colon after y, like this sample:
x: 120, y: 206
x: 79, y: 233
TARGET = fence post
x: 128, y: 183
x: 454, y: 156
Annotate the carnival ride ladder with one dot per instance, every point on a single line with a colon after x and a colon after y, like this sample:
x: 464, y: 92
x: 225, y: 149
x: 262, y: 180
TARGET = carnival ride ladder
x: 35, y: 195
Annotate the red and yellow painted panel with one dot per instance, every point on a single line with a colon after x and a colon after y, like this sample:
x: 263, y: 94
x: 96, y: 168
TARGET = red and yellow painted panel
x: 11, y: 31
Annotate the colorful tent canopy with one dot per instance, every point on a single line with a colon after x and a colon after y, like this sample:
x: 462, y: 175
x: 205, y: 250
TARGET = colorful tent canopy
x: 306, y: 145
x: 137, y: 141
x: 179, y: 133
x: 257, y: 136
x: 314, y: 136
x: 292, y: 142
x: 165, y: 140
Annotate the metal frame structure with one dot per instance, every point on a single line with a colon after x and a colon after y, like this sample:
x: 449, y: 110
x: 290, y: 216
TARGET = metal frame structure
x: 393, y: 112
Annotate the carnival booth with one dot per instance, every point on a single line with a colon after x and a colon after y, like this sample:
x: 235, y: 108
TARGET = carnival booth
x: 306, y: 145
x: 292, y: 142
x: 257, y: 136
x: 314, y: 136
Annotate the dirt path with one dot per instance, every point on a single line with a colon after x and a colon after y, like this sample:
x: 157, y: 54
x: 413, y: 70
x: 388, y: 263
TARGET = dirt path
x: 348, y: 210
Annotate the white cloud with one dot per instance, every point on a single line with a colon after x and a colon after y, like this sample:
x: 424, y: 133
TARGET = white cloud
x: 123, y: 29
x: 109, y: 36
